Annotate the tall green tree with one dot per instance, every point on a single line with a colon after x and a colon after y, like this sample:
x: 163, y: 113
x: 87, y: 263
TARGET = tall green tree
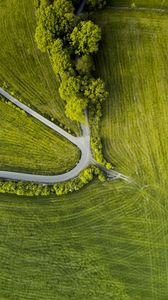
x: 45, y: 30
x: 65, y: 17
x: 95, y: 90
x: 61, y: 60
x: 75, y: 109
x: 85, y: 37
x: 69, y: 87
x: 85, y: 64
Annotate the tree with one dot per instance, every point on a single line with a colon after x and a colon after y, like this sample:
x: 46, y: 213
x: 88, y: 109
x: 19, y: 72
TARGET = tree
x: 85, y: 64
x: 54, y: 20
x: 70, y: 91
x: 69, y: 87
x: 95, y: 90
x: 75, y: 109
x: 85, y: 37
x: 65, y: 17
x: 45, y: 30
x: 61, y: 59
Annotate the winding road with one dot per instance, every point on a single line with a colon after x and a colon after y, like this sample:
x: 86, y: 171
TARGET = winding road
x: 83, y: 143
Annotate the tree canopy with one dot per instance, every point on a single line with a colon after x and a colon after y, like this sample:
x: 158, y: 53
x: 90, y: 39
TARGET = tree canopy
x: 70, y: 86
x: 60, y: 58
x: 85, y: 64
x: 75, y: 108
x: 54, y: 20
x: 45, y: 30
x: 85, y: 37
x: 95, y: 90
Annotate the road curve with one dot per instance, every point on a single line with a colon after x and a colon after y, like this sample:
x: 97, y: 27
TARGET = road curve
x: 83, y: 143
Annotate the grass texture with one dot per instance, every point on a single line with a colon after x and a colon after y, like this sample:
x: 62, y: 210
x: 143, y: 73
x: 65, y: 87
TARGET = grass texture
x: 139, y: 3
x: 26, y: 145
x: 133, y: 62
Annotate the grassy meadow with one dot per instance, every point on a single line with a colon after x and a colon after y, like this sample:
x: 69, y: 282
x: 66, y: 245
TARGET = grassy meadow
x: 139, y: 3
x: 26, y: 145
x: 109, y: 241
x: 133, y: 61
x: 23, y: 66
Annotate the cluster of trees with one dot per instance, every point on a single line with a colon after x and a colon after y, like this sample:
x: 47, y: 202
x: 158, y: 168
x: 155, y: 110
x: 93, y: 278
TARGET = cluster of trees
x: 70, y: 44
x: 77, y: 183
x: 62, y: 188
x: 85, y: 38
x: 56, y: 19
x: 24, y: 188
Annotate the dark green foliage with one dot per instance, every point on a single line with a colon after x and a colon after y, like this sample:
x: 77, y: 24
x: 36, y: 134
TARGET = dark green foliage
x: 61, y: 59
x: 36, y: 4
x: 45, y: 30
x: 76, y: 3
x: 95, y: 90
x: 85, y: 64
x: 65, y: 17
x: 54, y: 20
x: 93, y: 4
x: 85, y: 37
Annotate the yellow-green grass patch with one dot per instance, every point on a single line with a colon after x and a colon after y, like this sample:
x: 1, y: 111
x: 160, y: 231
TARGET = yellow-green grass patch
x: 133, y: 62
x: 139, y: 3
x: 106, y: 241
x: 26, y: 145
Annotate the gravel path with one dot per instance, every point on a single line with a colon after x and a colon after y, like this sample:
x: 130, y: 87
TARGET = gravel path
x: 83, y: 143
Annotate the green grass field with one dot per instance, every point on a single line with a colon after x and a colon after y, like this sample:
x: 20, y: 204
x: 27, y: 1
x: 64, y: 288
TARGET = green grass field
x: 28, y: 145
x: 135, y: 124
x: 23, y: 66
x: 109, y: 241
x: 139, y: 3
